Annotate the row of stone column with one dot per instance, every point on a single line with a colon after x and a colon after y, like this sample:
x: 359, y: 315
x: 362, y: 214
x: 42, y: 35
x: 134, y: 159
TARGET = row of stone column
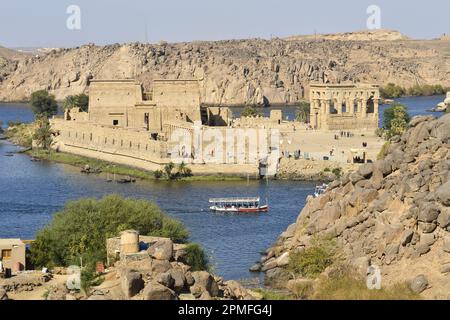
x: 324, y: 106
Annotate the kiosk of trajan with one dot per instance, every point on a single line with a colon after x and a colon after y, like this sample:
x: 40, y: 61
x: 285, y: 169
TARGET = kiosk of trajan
x: 344, y: 106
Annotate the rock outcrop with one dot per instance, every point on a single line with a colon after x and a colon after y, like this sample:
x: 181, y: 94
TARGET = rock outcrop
x: 160, y: 273
x: 253, y: 71
x: 394, y: 213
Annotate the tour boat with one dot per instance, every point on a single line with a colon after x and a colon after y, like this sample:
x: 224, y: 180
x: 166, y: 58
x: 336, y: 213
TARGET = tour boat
x: 237, y: 205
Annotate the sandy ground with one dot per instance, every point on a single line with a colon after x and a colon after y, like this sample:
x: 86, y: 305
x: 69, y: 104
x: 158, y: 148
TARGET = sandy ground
x: 319, y: 144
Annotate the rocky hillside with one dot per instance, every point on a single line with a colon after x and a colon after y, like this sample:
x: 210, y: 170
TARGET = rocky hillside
x: 251, y: 71
x: 367, y: 35
x: 394, y: 214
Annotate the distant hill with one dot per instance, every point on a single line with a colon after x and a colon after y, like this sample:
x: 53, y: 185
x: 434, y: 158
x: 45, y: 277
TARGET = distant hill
x: 234, y: 71
x: 366, y: 35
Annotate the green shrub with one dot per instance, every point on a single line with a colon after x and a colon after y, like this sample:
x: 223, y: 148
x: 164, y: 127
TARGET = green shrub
x: 158, y: 174
x: 272, y: 295
x: 383, y: 151
x: 349, y: 287
x: 196, y: 257
x: 426, y: 90
x: 396, y: 120
x: 303, y: 290
x: 80, y: 229
x: 392, y: 91
x: 313, y: 260
x: 337, y: 172
x: 250, y: 112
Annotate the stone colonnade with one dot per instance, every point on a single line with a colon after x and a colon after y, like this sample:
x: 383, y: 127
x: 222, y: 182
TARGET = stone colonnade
x: 344, y: 106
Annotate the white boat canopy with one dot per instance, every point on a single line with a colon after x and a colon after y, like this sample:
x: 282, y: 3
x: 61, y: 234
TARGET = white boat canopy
x: 234, y: 200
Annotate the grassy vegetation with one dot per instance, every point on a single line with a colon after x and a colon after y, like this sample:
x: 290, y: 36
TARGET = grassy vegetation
x: 348, y: 287
x: 312, y: 261
x: 342, y: 282
x: 21, y: 133
x: 273, y: 295
x: 337, y: 172
x: 383, y: 151
x: 393, y: 91
x: 107, y: 167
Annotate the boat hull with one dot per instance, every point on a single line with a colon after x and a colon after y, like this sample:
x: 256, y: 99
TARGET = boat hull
x: 240, y: 210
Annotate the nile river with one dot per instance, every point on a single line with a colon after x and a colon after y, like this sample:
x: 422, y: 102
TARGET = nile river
x: 31, y: 192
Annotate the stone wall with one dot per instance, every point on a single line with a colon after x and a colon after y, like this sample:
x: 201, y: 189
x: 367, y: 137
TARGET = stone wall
x: 134, y: 148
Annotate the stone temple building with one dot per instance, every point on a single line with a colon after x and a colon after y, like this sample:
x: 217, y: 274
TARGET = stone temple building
x: 126, y: 125
x: 344, y: 106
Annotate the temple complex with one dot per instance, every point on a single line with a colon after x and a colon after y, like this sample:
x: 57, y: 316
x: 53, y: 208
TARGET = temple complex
x: 344, y: 106
x: 124, y: 124
x: 127, y: 125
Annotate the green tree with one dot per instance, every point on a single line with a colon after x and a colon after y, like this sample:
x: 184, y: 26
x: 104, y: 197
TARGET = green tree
x: 396, y: 119
x: 81, y: 228
x: 392, y: 91
x: 77, y: 101
x: 43, y: 104
x: 250, y: 111
x: 303, y: 112
x: 43, y: 134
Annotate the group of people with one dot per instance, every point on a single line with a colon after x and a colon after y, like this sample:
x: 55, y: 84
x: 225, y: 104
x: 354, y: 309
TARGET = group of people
x: 288, y: 154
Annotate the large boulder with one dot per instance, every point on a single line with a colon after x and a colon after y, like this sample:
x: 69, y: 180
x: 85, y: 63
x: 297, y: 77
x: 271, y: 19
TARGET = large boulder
x: 277, y: 277
x: 418, y: 284
x: 366, y: 170
x: 446, y: 244
x: 131, y: 282
x: 234, y: 290
x: 160, y: 266
x: 165, y: 279
x: 161, y: 249
x: 444, y: 218
x: 443, y: 194
x: 205, y: 282
x: 428, y: 212
x: 179, y: 279
x: 156, y: 291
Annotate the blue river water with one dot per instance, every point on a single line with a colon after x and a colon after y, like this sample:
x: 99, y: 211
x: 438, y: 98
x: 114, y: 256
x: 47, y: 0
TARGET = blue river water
x: 31, y: 192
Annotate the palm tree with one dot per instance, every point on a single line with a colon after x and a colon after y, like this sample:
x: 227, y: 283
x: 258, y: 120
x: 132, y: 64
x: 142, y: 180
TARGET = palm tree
x: 183, y: 170
x: 43, y: 135
x: 168, y: 169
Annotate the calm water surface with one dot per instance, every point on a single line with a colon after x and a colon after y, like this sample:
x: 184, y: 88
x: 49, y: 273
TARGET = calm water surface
x: 31, y: 192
